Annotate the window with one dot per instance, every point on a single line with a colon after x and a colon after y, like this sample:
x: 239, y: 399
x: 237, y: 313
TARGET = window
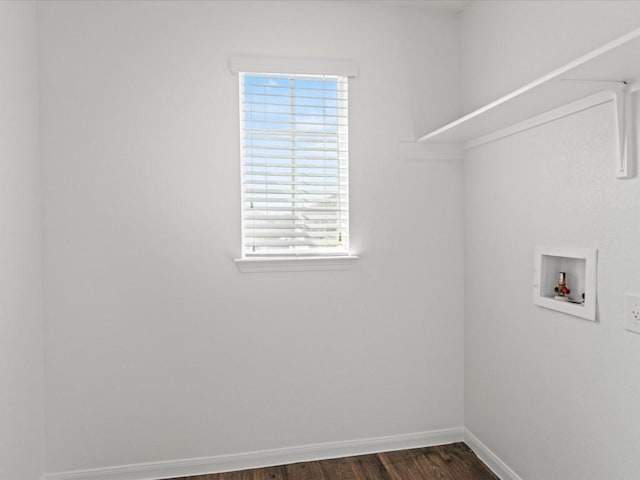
x: 295, y: 184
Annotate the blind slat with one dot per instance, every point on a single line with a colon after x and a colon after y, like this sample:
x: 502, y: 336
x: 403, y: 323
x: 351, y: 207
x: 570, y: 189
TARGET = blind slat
x: 271, y: 182
x: 257, y: 201
x: 293, y: 165
x: 272, y: 147
x: 298, y: 174
x: 299, y: 132
x: 281, y: 230
x: 292, y: 158
x: 275, y: 218
x: 267, y: 134
x: 290, y: 243
x: 302, y: 210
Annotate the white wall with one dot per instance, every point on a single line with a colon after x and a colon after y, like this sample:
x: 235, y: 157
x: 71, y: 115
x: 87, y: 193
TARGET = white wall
x: 21, y: 376
x: 552, y: 395
x: 506, y: 44
x: 154, y: 351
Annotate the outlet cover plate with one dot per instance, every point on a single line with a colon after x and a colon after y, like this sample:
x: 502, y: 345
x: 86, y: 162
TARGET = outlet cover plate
x: 632, y: 312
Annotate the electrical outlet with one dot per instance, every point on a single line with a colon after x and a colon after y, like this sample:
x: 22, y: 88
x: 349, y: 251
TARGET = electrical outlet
x: 632, y: 312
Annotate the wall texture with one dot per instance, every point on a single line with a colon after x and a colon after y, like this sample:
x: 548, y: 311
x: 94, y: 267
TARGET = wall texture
x: 21, y: 330
x: 552, y: 395
x: 506, y: 44
x: 157, y: 347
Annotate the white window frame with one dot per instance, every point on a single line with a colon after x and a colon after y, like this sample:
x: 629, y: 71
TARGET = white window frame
x: 278, y: 66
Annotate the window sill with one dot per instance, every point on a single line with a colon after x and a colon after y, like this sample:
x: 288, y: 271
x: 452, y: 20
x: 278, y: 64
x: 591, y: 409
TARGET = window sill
x: 295, y: 264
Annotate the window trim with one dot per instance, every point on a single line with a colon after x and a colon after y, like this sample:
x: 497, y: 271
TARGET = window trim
x: 295, y: 264
x: 300, y: 66
x: 278, y: 65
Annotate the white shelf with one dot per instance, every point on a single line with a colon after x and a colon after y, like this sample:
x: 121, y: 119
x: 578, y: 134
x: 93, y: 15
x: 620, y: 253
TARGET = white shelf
x: 604, y: 69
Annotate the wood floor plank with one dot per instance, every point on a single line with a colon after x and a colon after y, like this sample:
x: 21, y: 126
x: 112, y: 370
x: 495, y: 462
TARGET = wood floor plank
x: 368, y: 467
x: 209, y: 476
x: 270, y: 473
x: 241, y: 475
x: 415, y: 464
x: 338, y: 469
x: 437, y: 466
x: 461, y: 460
x: 305, y: 471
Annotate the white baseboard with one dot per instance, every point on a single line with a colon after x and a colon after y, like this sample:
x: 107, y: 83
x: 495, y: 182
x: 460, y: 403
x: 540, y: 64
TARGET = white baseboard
x: 264, y: 458
x: 494, y: 462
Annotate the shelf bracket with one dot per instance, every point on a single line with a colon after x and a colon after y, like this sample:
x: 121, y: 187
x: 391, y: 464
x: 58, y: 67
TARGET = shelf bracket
x: 624, y: 122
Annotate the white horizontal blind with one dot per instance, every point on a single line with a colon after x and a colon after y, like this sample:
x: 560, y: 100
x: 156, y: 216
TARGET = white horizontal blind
x: 294, y: 165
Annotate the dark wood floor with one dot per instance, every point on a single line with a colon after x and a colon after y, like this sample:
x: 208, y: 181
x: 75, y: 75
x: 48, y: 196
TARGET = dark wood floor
x: 445, y: 462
